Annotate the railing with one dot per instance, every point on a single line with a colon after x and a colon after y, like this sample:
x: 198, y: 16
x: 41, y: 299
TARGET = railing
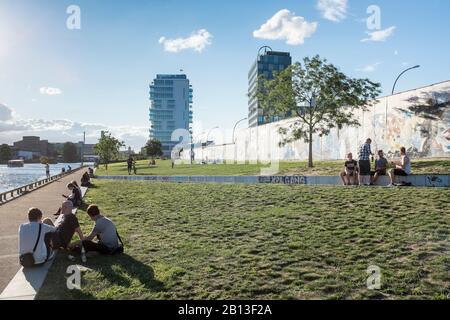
x: 17, y: 192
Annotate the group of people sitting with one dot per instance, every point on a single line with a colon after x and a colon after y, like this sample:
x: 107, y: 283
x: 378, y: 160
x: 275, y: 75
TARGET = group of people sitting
x: 39, y: 238
x: 361, y: 173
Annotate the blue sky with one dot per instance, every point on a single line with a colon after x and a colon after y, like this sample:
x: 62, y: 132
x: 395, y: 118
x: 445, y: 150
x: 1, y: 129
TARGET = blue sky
x: 57, y: 82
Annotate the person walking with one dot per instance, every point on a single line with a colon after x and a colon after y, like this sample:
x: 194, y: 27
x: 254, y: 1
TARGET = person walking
x: 130, y: 165
x: 365, y: 153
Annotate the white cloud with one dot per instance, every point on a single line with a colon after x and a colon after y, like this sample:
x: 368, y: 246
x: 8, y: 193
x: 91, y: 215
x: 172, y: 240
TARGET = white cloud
x: 12, y: 128
x: 380, y: 35
x: 396, y: 52
x: 333, y: 10
x: 284, y: 25
x: 5, y: 113
x: 50, y: 91
x: 369, y: 68
x: 198, y: 40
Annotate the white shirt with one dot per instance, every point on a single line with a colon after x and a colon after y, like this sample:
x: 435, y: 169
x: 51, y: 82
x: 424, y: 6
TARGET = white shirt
x: 406, y: 164
x: 28, y: 233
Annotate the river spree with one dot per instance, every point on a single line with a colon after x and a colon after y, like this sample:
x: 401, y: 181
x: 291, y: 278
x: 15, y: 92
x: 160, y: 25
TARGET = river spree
x: 11, y: 178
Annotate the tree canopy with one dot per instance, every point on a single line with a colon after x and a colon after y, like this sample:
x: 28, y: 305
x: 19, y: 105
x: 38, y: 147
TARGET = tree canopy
x: 108, y: 148
x: 321, y: 96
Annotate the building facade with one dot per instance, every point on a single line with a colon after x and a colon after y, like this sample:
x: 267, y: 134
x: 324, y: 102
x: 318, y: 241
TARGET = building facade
x: 170, y: 108
x: 266, y: 63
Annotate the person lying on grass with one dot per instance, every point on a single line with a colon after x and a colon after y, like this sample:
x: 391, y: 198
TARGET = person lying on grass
x: 66, y: 226
x: 106, y: 233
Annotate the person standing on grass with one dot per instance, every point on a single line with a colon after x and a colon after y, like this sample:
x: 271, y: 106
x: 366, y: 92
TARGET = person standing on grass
x: 130, y: 164
x: 365, y: 153
x: 349, y: 175
x: 381, y: 165
x: 105, y: 230
x: 402, y: 168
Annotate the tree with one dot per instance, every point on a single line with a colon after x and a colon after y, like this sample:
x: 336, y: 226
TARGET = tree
x: 153, y: 148
x: 44, y: 160
x: 317, y: 93
x: 70, y: 152
x: 107, y: 148
x: 5, y: 153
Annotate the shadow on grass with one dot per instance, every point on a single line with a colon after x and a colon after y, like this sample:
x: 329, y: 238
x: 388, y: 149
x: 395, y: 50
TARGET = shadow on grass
x: 105, y: 272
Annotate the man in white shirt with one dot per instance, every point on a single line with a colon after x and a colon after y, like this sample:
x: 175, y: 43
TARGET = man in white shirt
x: 28, y: 235
x: 402, y: 168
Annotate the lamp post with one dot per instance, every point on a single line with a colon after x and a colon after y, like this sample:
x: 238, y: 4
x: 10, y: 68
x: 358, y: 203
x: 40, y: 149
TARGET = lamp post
x: 207, y: 136
x: 396, y: 80
x: 393, y: 91
x: 234, y: 129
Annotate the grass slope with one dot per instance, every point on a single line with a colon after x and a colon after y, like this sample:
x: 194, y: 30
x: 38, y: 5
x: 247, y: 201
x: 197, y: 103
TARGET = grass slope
x: 211, y: 241
x: 164, y: 168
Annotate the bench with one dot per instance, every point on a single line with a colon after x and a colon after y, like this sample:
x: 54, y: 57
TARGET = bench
x: 27, y: 282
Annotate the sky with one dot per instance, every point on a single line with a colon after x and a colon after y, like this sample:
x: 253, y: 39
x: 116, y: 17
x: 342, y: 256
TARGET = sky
x: 62, y: 73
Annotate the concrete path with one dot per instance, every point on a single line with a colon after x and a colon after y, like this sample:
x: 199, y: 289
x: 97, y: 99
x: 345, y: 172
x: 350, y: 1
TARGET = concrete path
x: 14, y: 213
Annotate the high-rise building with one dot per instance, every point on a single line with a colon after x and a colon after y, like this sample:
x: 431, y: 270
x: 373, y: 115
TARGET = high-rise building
x: 266, y: 62
x: 170, y: 108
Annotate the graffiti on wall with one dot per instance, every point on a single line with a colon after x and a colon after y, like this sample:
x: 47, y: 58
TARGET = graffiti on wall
x: 418, y: 120
x: 283, y: 179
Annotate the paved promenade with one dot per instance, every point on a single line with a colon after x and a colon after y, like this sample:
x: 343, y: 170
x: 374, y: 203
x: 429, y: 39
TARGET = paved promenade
x: 13, y: 213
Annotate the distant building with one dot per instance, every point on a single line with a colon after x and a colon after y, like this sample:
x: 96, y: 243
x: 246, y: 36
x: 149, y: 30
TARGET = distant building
x: 170, y: 108
x: 266, y: 62
x: 31, y: 147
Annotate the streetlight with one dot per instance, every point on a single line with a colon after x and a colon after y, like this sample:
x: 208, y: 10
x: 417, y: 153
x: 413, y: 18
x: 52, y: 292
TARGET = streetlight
x: 395, y: 83
x: 207, y: 136
x: 234, y: 129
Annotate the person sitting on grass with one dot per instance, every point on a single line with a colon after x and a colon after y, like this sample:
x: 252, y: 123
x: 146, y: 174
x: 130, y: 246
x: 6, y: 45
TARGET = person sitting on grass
x: 402, y: 167
x: 35, y: 240
x: 349, y: 175
x: 381, y: 165
x: 66, y: 226
x: 85, y: 180
x: 106, y: 232
x: 75, y: 196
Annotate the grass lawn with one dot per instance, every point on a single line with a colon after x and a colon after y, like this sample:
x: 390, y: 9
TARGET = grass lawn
x: 211, y: 241
x: 164, y: 168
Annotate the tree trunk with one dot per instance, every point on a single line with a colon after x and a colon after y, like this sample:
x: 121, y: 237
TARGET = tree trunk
x: 310, y: 156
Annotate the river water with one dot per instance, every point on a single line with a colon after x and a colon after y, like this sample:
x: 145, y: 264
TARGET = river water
x: 11, y: 178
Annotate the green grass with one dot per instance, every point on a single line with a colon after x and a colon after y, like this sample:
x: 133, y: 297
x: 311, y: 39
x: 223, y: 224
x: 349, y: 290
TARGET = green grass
x: 219, y: 241
x: 164, y: 168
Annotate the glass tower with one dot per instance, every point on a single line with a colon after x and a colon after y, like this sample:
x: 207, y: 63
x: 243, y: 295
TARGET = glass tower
x: 170, y: 108
x: 265, y: 64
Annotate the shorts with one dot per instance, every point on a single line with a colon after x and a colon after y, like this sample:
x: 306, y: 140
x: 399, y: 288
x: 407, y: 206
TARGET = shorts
x: 364, y: 167
x: 400, y: 172
x: 350, y: 173
x: 380, y: 172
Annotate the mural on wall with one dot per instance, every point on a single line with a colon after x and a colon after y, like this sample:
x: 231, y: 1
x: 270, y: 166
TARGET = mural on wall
x: 418, y: 120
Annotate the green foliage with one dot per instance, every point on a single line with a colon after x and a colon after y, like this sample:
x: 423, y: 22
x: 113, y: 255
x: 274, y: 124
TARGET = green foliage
x: 44, y: 160
x: 107, y: 148
x: 70, y: 152
x: 5, y: 153
x: 153, y: 148
x: 321, y: 96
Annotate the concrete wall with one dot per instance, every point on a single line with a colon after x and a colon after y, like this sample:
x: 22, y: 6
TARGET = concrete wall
x: 418, y: 119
